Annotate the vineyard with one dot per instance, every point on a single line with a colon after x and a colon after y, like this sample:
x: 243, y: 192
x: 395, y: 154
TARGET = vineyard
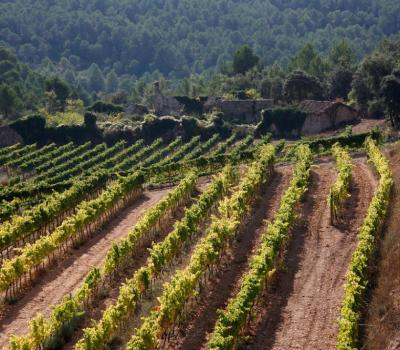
x: 218, y: 244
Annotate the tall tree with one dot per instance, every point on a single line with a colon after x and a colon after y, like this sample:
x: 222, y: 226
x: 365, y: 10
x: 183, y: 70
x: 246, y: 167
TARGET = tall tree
x: 391, y: 95
x: 309, y: 61
x: 112, y: 82
x: 340, y: 81
x: 244, y: 59
x: 95, y: 78
x: 301, y: 86
x: 59, y: 90
x: 342, y: 55
x: 9, y: 102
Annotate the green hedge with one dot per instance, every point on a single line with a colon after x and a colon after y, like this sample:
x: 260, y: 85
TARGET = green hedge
x: 288, y: 120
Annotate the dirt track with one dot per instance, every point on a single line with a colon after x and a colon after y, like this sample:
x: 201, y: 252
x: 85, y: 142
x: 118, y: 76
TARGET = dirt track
x: 71, y: 272
x: 109, y: 298
x: 302, y: 306
x: 193, y: 334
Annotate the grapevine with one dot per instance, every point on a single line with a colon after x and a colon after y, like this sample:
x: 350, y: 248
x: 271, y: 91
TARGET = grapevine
x: 340, y: 190
x: 182, y: 287
x: 232, y: 320
x: 356, y: 280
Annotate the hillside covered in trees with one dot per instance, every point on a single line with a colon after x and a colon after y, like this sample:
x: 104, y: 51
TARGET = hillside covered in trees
x: 178, y: 38
x: 56, y: 58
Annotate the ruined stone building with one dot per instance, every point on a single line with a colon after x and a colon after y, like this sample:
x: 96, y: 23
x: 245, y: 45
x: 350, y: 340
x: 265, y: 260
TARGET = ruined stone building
x: 321, y: 115
x: 326, y: 115
x: 240, y: 111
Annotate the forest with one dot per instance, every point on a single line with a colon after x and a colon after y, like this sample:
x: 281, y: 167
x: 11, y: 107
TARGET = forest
x: 120, y: 41
x: 64, y: 56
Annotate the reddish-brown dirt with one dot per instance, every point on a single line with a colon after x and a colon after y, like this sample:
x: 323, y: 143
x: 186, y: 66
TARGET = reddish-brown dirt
x: 141, y: 256
x: 383, y: 321
x: 69, y: 274
x: 193, y: 334
x: 302, y: 305
x: 367, y: 125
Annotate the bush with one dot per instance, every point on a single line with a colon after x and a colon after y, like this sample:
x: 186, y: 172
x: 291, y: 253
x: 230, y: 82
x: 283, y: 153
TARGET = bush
x: 191, y: 105
x: 104, y: 107
x: 30, y: 128
x: 90, y: 120
x: 288, y: 121
x: 154, y: 127
x: 190, y: 127
x: 376, y: 109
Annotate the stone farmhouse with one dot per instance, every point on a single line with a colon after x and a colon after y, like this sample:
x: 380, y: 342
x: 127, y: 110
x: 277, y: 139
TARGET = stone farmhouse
x: 326, y: 115
x: 321, y: 115
x: 240, y: 111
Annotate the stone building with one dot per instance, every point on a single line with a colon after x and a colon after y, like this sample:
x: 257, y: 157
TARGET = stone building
x: 165, y: 105
x: 326, y: 115
x: 240, y: 111
x: 321, y: 115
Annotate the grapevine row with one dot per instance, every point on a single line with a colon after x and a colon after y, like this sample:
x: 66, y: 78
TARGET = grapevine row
x: 58, y: 204
x: 73, y: 306
x: 19, y: 152
x: 201, y: 149
x: 14, y: 163
x: 9, y: 149
x: 182, y: 151
x: 182, y: 287
x: 113, y: 161
x: 242, y: 145
x: 30, y: 164
x: 233, y: 319
x: 62, y: 176
x: 65, y: 166
x: 340, y: 190
x: 223, y: 147
x: 17, y: 205
x: 88, y: 164
x: 32, y: 188
x: 161, y: 255
x: 43, y: 218
x: 152, y: 219
x: 143, y: 153
x: 356, y: 280
x: 164, y: 152
x: 33, y: 162
x: 89, y: 216
x: 64, y: 158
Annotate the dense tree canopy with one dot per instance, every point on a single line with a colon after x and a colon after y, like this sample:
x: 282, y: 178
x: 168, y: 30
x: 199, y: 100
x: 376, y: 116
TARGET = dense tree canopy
x: 244, y: 59
x: 69, y: 53
x: 390, y: 88
x: 177, y: 38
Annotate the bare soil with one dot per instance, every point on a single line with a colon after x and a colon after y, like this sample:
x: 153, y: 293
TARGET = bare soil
x: 111, y: 295
x: 194, y: 332
x: 365, y: 125
x: 301, y: 308
x: 70, y: 273
x: 383, y: 319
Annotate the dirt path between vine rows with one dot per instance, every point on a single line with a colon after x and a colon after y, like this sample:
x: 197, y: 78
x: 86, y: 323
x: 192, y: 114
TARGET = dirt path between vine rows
x: 141, y: 258
x: 302, y: 307
x: 69, y: 274
x: 194, y: 333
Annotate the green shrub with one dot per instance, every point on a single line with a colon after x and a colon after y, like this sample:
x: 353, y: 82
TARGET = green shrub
x: 287, y: 120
